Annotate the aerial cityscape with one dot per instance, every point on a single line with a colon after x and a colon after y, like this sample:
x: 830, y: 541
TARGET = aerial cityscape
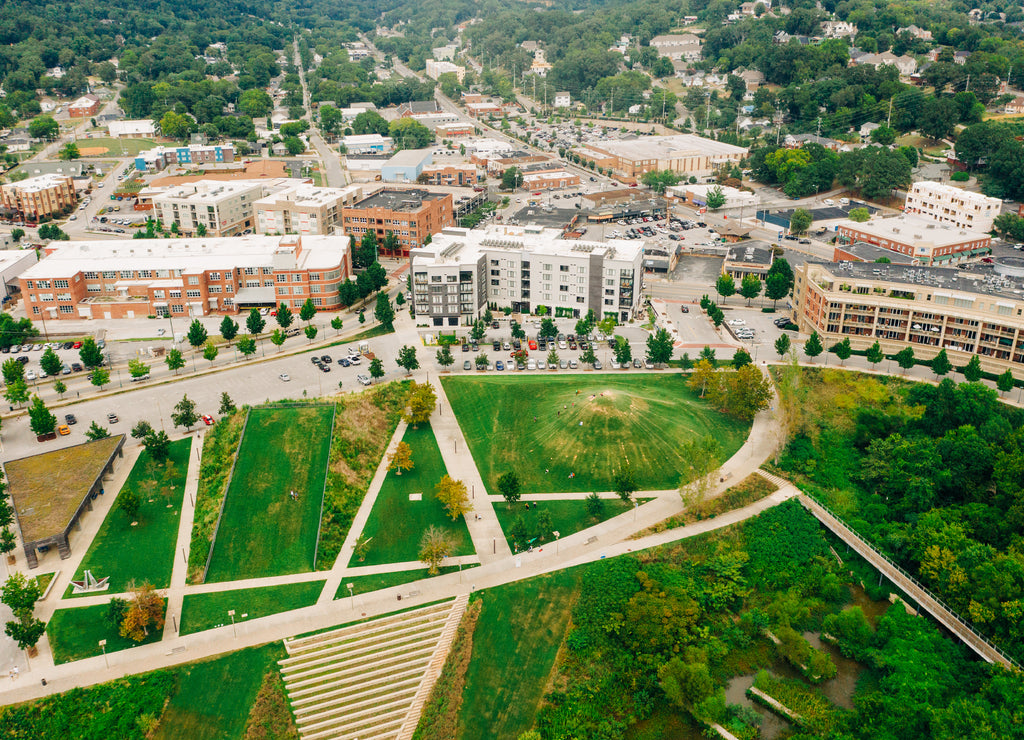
x: 584, y: 370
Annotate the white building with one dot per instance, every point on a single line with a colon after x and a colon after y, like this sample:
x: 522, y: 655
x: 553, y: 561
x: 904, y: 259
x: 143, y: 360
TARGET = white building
x: 697, y: 196
x: 679, y: 47
x: 223, y: 208
x: 13, y: 262
x: 131, y: 129
x: 952, y: 205
x: 304, y: 209
x: 461, y: 271
x: 435, y: 69
x: 563, y: 100
x: 367, y: 144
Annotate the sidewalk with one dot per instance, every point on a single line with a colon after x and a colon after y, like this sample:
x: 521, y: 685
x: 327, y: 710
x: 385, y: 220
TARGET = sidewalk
x: 179, y: 572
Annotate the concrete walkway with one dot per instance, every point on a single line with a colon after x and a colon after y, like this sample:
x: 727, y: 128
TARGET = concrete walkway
x: 179, y: 571
x: 488, y: 537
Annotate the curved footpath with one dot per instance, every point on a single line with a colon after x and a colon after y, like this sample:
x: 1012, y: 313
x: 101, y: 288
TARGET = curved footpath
x: 607, y: 539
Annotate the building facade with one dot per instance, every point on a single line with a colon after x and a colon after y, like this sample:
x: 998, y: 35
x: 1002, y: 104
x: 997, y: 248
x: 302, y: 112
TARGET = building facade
x: 437, y: 68
x: 928, y: 309
x: 304, y: 209
x: 367, y: 144
x: 951, y: 205
x: 185, y: 277
x: 85, y: 106
x: 37, y: 197
x: 222, y: 207
x: 545, y: 179
x: 684, y: 154
x: 158, y: 158
x: 456, y: 175
x: 927, y: 241
x: 461, y: 271
x: 410, y: 214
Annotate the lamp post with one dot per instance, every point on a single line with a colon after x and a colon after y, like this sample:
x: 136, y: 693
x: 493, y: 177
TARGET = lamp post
x: 103, y: 647
x: 231, y: 613
x: 351, y: 594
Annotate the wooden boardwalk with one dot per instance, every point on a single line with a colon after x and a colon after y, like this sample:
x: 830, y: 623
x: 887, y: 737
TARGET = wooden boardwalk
x: 945, y: 616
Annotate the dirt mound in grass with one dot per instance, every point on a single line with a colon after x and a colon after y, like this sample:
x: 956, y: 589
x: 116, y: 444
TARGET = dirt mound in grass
x: 92, y: 151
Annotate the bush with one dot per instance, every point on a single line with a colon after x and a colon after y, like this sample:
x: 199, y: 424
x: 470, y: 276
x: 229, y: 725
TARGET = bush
x: 960, y: 177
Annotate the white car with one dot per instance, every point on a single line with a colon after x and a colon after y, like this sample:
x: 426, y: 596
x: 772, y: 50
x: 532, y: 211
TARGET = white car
x: 829, y: 202
x: 736, y: 322
x: 363, y: 379
x: 354, y: 359
x: 30, y: 375
x: 285, y: 377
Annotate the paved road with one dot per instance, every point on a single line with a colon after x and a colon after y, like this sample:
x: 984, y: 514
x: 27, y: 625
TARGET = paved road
x: 335, y: 175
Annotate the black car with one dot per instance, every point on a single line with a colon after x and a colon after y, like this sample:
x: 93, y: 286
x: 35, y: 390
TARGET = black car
x: 494, y: 324
x: 465, y: 347
x: 324, y: 368
x: 542, y: 345
x: 343, y: 362
x: 315, y: 360
x: 23, y: 360
x: 68, y: 345
x: 70, y: 419
x: 517, y: 345
x: 476, y: 347
x: 326, y: 358
x: 790, y: 238
x: 496, y: 346
x: 76, y: 367
x: 5, y: 350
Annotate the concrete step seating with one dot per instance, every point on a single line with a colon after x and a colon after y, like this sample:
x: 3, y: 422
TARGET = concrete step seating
x: 772, y: 478
x: 369, y: 681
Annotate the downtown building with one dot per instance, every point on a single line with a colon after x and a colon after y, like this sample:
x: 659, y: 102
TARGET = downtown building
x: 200, y: 276
x: 966, y: 312
x: 410, y: 214
x: 462, y: 272
x: 39, y: 197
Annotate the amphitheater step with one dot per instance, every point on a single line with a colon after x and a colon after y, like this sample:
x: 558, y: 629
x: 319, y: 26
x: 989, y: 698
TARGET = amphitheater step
x: 369, y: 680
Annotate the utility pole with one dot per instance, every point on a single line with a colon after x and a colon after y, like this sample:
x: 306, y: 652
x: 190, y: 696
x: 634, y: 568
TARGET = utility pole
x: 707, y: 114
x: 819, y: 127
x: 888, y: 119
x: 778, y: 125
x: 968, y: 88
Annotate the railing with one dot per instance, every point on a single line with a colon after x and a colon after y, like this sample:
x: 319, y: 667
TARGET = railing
x: 859, y: 542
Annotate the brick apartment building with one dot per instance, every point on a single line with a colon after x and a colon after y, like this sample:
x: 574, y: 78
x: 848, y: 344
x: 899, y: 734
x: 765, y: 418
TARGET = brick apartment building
x: 185, y: 277
x: 411, y: 214
x: 35, y: 197
x: 450, y: 174
x: 158, y: 158
x: 84, y: 107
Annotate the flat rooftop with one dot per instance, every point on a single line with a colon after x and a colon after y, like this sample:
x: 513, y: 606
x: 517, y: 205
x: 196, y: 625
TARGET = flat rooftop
x: 912, y: 229
x: 309, y: 195
x: 47, y: 489
x: 665, y: 147
x: 206, y: 191
x: 981, y: 280
x: 458, y: 245
x: 41, y: 182
x: 870, y: 253
x: 399, y: 200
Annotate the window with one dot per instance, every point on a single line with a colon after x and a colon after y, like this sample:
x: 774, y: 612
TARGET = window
x: 281, y: 278
x: 318, y: 301
x: 42, y: 283
x: 109, y: 274
x: 214, y: 276
x: 563, y: 268
x: 127, y: 274
x: 296, y: 277
x: 65, y: 309
x: 314, y: 289
x: 297, y: 290
x: 158, y: 294
x: 175, y: 294
x: 177, y: 308
x: 60, y: 283
x: 564, y: 288
x: 86, y: 275
x: 145, y: 273
x: 314, y: 276
x: 214, y: 289
x: 581, y: 299
x: 268, y: 270
x: 282, y: 290
x: 250, y: 270
x: 193, y: 280
x: 437, y: 278
x: 92, y: 288
x: 252, y: 283
x: 193, y: 294
x: 268, y: 283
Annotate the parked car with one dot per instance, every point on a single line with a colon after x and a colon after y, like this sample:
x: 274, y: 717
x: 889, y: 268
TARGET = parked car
x: 70, y: 419
x: 112, y: 418
x: 499, y: 365
x: 285, y: 377
x: 344, y: 362
x: 467, y: 365
x: 363, y: 379
x: 63, y: 430
x: 208, y: 420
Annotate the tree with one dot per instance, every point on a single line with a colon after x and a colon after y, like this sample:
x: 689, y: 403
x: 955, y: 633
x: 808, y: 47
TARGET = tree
x: 177, y: 125
x: 17, y: 234
x: 310, y: 332
x: 874, y: 354
x: 90, y: 353
x: 407, y: 359
x: 336, y: 324
x: 859, y: 215
x: 454, y: 496
x: 715, y: 198
x: 401, y: 459
x: 776, y: 287
x: 141, y: 429
x: 284, y: 316
x: 17, y: 392
x: 659, y: 347
x: 594, y: 505
x: 376, y: 368
x: 478, y: 331
x: 307, y: 311
x: 686, y: 684
x: 21, y: 594
x: 782, y: 345
x: 972, y: 371
x: 625, y: 483
x: 750, y: 287
x: 277, y: 338
x: 725, y: 286
x: 175, y: 360
x: 255, y: 103
x: 883, y: 136
x: 1005, y: 381
x: 41, y: 421
x: 95, y: 432
x: 184, y: 414
x: 800, y: 221
x: 435, y: 546
x: 13, y: 371
x: 707, y: 354
x: 905, y: 358
x: 813, y: 347
x: 158, y: 445
x: 370, y: 122
x: 137, y: 368
x: 210, y: 352
x: 227, y: 406
x: 659, y: 180
x: 740, y: 358
x: 941, y: 364
x: 422, y: 402
x: 60, y: 388
x: 553, y: 358
x: 588, y: 357
x: 69, y: 152
x: 509, y: 487
x: 44, y: 127
x: 703, y: 377
x: 228, y: 328
x: 445, y: 358
x: 511, y: 178
x: 50, y: 362
x: 384, y: 313
x: 842, y: 350
x: 254, y: 323
x: 145, y: 611
x: 623, y: 351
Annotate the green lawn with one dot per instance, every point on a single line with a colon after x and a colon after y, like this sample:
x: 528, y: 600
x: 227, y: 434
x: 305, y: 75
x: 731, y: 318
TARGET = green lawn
x: 263, y: 530
x: 520, y: 424
x: 567, y: 517
x: 396, y: 524
x: 377, y: 582
x: 214, y: 697
x: 144, y: 552
x: 205, y: 611
x: 130, y: 147
x: 515, y: 643
x: 75, y: 633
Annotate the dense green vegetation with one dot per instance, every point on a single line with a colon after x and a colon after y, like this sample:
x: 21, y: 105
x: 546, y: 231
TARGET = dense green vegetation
x: 76, y: 633
x: 932, y: 475
x: 143, y: 553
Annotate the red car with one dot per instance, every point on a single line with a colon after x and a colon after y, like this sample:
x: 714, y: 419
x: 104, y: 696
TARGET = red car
x: 533, y: 344
x: 208, y: 420
x: 537, y: 193
x: 77, y: 345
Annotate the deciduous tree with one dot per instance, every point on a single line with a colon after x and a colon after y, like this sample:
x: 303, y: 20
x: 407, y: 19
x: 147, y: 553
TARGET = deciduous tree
x: 941, y: 364
x: 454, y: 496
x: 972, y: 370
x: 401, y: 458
x: 228, y: 328
x: 184, y: 414
x: 842, y: 350
x: 725, y: 286
x: 284, y: 316
x: 41, y: 420
x: 407, y: 359
x: 210, y: 352
x: 422, y: 401
x: 95, y: 431
x: 813, y: 347
x: 782, y: 345
x: 145, y: 612
x: 175, y: 360
x: 254, y: 323
x: 435, y: 546
x: 509, y: 487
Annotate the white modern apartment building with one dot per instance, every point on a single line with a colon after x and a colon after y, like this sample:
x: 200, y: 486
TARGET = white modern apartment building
x: 304, y: 209
x: 952, y: 205
x: 462, y: 271
x: 223, y: 208
x: 435, y: 69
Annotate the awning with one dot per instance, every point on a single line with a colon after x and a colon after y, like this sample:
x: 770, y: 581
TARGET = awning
x: 256, y: 297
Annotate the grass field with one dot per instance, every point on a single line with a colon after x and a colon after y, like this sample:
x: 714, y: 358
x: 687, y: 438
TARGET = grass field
x: 567, y: 517
x: 379, y: 581
x: 109, y: 145
x: 517, y: 637
x: 75, y: 634
x: 396, y: 523
x: 546, y: 428
x: 263, y: 530
x: 205, y: 611
x: 144, y: 552
x: 214, y: 697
